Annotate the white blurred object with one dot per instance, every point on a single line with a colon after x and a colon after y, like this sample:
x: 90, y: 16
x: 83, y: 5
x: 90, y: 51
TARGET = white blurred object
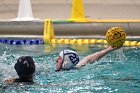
x: 25, y: 11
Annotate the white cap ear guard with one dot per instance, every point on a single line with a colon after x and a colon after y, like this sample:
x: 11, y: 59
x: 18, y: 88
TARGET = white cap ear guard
x: 70, y: 58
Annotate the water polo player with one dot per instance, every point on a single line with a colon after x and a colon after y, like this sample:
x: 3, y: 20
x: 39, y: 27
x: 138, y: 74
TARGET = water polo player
x: 25, y: 68
x: 68, y: 59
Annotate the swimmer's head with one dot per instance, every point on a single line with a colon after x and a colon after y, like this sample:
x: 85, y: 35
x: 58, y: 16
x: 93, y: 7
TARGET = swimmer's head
x: 67, y: 59
x: 24, y: 66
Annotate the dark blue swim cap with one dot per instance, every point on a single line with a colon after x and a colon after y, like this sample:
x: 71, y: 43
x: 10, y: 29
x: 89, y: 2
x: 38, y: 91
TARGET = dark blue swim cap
x: 24, y: 66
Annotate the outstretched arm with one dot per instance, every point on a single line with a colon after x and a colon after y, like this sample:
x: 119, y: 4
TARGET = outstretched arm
x: 95, y: 57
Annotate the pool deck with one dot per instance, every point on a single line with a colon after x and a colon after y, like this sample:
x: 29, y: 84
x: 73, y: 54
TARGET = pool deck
x: 61, y: 10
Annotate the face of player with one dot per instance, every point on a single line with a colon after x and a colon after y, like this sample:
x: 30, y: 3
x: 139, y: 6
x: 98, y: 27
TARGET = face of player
x: 58, y: 63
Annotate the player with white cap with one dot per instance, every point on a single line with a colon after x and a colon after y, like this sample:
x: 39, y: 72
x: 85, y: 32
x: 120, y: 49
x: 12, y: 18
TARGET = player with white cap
x: 68, y: 59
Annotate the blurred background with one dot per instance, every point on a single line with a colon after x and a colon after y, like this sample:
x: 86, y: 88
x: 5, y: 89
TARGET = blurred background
x: 61, y: 9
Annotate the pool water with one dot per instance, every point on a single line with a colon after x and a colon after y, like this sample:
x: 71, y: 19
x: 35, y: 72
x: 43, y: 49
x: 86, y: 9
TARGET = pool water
x: 117, y: 72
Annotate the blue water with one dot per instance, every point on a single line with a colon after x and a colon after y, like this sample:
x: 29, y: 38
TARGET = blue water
x: 117, y: 72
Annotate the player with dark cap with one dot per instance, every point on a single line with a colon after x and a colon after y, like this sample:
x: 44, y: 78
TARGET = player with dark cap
x: 25, y: 69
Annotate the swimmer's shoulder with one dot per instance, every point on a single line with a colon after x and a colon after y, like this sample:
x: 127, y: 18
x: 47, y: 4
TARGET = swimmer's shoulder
x: 17, y: 80
x: 9, y: 81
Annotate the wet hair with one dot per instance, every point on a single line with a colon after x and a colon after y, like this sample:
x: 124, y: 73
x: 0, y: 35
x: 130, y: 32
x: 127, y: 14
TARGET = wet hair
x: 25, y: 66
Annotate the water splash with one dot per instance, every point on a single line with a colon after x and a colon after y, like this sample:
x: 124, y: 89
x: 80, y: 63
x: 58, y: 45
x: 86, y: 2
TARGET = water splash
x: 121, y: 55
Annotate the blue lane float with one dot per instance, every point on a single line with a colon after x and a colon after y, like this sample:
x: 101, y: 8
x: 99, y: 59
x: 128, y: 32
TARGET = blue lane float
x: 22, y: 42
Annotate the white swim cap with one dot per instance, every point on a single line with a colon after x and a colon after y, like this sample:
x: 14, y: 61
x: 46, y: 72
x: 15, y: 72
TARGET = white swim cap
x: 70, y: 59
